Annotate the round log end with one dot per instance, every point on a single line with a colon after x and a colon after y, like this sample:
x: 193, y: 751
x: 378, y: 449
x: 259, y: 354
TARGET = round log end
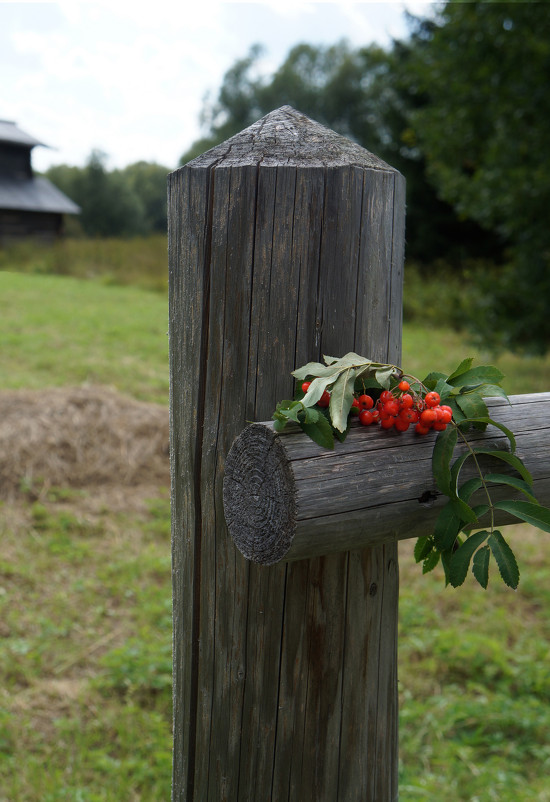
x: 259, y: 495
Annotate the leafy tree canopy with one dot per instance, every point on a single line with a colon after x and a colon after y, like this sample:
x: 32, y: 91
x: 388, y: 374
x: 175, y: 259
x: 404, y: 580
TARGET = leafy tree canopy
x: 480, y: 73
x: 118, y: 202
x: 462, y: 109
x: 362, y: 93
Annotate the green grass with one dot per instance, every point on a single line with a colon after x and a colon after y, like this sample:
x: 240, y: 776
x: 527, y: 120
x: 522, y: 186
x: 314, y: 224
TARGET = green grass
x: 140, y: 261
x: 475, y: 682
x: 426, y: 348
x: 85, y: 652
x: 85, y: 626
x: 59, y: 331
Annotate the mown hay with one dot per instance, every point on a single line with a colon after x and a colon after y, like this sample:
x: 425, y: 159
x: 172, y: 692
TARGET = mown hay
x: 80, y: 437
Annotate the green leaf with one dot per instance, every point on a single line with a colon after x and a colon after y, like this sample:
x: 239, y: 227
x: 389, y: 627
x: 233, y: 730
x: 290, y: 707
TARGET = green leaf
x: 460, y: 560
x: 284, y: 411
x: 534, y: 514
x: 341, y: 399
x: 480, y: 566
x: 492, y: 391
x: 341, y: 436
x: 468, y: 388
x: 458, y: 414
x: 511, y: 459
x: 350, y: 359
x: 423, y: 547
x: 509, y: 434
x: 469, y: 487
x: 316, y: 390
x: 432, y: 378
x: 483, y: 374
x: 463, y: 511
x: 455, y: 473
x: 441, y: 457
x: 447, y: 527
x: 312, y: 369
x: 458, y: 501
x: 384, y: 375
x: 311, y: 415
x: 446, y: 563
x: 443, y: 389
x: 430, y: 562
x: 291, y: 413
x: 320, y: 432
x: 474, y: 407
x: 481, y: 510
x: 512, y: 481
x: 465, y: 365
x: 286, y: 404
x: 505, y: 559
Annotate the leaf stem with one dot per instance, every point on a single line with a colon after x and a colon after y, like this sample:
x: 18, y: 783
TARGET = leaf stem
x: 473, y: 454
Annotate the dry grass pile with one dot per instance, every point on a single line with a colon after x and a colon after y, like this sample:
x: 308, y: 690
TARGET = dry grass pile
x: 80, y: 437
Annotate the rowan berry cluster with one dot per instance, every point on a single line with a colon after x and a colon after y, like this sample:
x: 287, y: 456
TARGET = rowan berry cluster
x: 399, y: 409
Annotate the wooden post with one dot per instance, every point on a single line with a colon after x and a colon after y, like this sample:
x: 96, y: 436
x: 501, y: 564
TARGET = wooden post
x: 286, y: 242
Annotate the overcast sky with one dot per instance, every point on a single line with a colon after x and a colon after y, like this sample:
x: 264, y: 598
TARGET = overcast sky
x: 129, y: 78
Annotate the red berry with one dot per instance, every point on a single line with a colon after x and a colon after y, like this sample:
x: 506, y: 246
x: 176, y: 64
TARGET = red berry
x: 407, y: 401
x: 409, y: 415
x: 419, y: 429
x: 428, y: 417
x: 391, y: 407
x: 401, y: 424
x: 385, y: 395
x: 432, y: 399
x: 355, y: 404
x: 324, y: 401
x: 446, y: 414
x: 366, y: 417
x: 439, y: 426
x: 387, y: 423
x: 404, y: 386
x: 366, y: 401
x: 375, y: 415
x: 305, y: 386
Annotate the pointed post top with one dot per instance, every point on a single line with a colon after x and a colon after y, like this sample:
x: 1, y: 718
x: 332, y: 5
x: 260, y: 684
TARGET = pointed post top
x: 286, y: 137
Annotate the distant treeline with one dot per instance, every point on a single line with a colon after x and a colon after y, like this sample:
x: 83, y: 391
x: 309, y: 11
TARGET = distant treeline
x: 124, y: 202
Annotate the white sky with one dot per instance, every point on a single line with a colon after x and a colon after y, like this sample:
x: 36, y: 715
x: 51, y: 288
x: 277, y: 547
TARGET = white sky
x: 129, y: 78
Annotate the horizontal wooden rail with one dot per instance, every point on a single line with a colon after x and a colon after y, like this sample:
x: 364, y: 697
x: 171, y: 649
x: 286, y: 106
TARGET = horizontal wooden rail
x: 285, y: 498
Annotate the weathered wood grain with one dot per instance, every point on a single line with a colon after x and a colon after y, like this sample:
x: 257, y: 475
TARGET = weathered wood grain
x: 286, y: 498
x: 284, y: 243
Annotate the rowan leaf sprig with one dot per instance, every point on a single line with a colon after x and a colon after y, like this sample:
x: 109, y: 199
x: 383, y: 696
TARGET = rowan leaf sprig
x: 328, y: 395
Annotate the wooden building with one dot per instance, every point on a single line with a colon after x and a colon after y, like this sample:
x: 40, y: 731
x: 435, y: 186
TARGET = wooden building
x: 30, y: 206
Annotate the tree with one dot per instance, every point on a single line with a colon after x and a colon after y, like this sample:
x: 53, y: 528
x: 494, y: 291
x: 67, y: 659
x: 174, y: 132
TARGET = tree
x: 117, y: 203
x: 362, y: 93
x: 147, y: 182
x: 480, y: 72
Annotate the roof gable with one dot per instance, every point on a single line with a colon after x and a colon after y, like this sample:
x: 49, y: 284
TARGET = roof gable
x: 10, y: 132
x: 34, y: 195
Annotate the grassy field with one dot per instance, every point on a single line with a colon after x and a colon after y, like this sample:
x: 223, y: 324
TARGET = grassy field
x: 85, y: 623
x: 58, y: 331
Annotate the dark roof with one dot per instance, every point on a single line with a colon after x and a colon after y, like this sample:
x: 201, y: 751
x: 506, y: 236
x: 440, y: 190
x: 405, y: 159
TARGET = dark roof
x: 9, y: 132
x: 34, y: 195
